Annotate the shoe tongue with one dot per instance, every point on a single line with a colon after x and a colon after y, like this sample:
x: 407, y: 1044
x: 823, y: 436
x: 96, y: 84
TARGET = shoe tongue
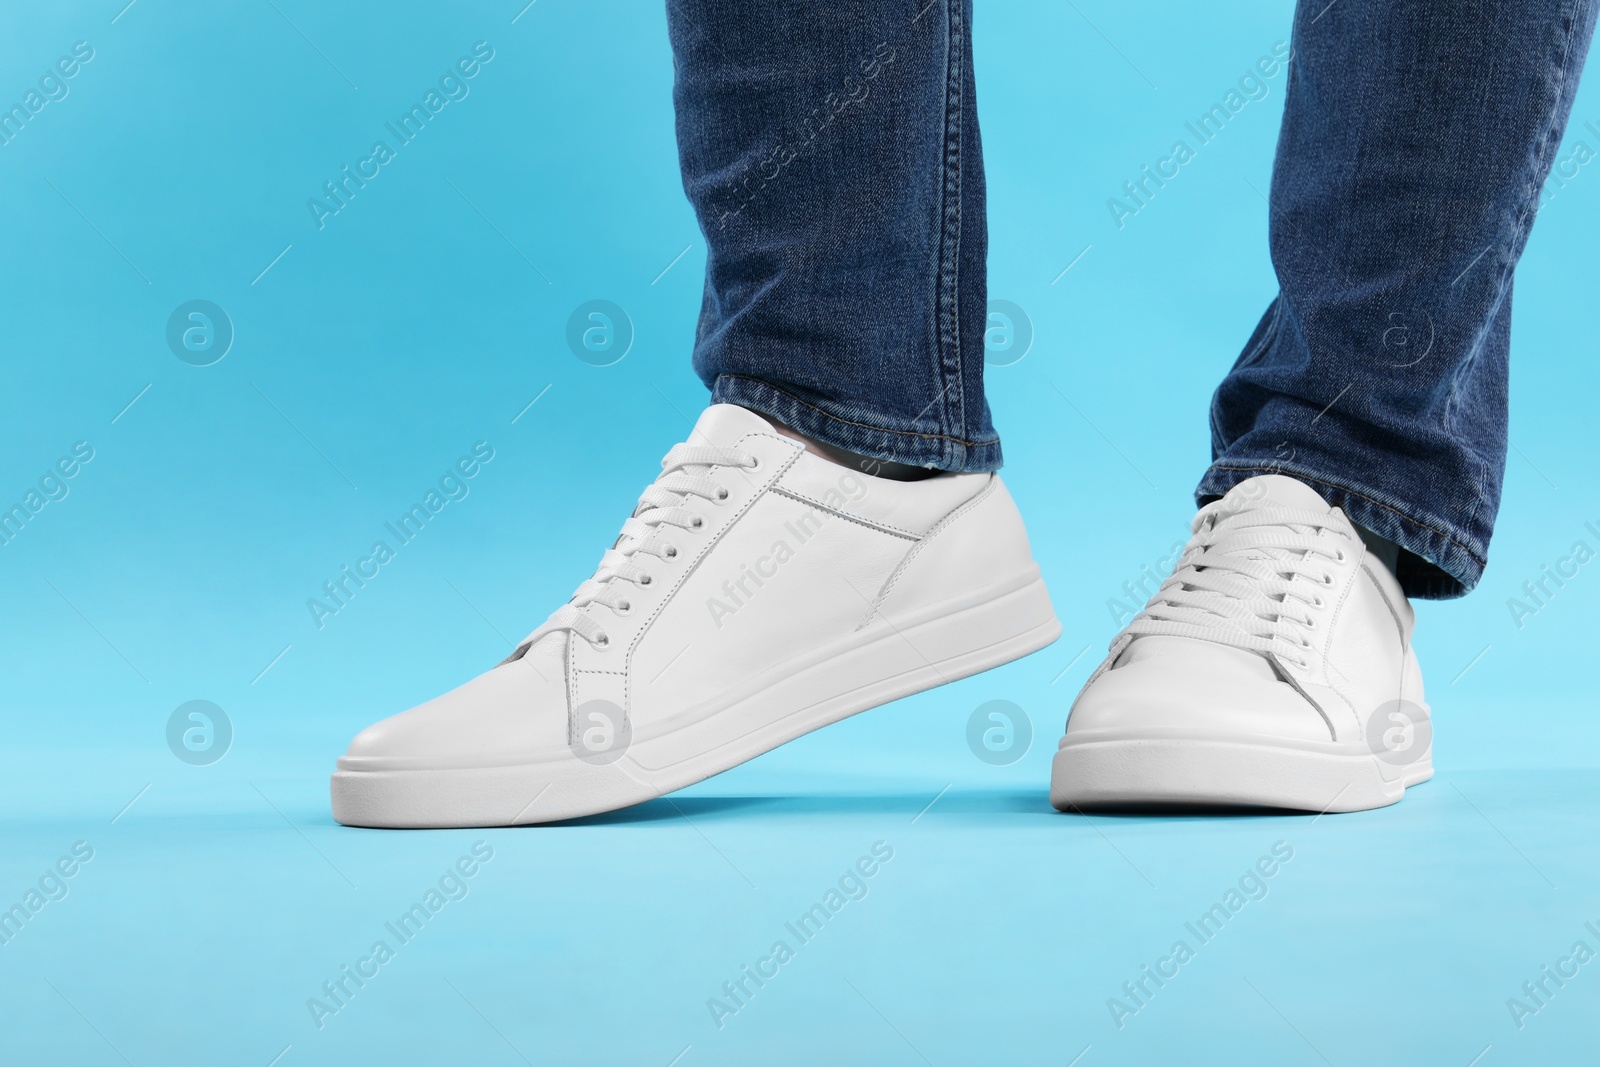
x: 721, y: 426
x: 1273, y: 489
x: 1269, y: 490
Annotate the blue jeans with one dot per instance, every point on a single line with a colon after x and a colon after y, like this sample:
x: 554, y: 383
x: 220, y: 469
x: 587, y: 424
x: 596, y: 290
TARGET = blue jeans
x: 832, y: 156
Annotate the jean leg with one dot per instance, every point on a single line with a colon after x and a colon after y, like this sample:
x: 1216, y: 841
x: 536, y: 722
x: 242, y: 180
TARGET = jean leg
x: 831, y: 154
x: 1415, y: 140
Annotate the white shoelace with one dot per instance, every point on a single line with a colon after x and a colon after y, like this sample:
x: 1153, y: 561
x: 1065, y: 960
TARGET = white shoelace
x: 1252, y: 579
x: 685, y: 475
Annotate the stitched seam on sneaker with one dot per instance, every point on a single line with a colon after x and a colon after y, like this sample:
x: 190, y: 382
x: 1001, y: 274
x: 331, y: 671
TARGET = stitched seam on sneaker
x: 1399, y: 626
x: 881, y: 527
x: 711, y: 546
x: 923, y: 542
x: 1325, y: 658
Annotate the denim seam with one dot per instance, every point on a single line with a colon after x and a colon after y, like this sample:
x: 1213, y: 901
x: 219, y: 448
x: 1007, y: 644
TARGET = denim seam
x: 1471, y: 553
x: 1521, y: 227
x: 947, y: 299
x: 864, y: 425
x: 1268, y: 336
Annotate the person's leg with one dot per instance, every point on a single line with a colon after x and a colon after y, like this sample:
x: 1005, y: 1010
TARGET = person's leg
x: 1415, y: 141
x: 781, y: 573
x: 1368, y: 411
x: 831, y: 155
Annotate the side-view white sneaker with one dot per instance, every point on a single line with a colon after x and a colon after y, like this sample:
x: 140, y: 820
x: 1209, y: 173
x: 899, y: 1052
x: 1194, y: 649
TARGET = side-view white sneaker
x: 758, y: 592
x: 1272, y: 669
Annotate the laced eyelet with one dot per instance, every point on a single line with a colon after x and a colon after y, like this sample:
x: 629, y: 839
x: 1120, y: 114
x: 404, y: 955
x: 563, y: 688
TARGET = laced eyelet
x: 1318, y: 602
x: 696, y: 523
x: 671, y: 552
x: 722, y: 494
x: 601, y: 640
x: 1340, y: 557
x: 1327, y: 579
x: 624, y: 607
x: 754, y: 464
x: 645, y: 579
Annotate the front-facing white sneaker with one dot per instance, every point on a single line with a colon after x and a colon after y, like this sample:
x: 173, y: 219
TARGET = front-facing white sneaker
x: 1272, y: 669
x: 757, y: 592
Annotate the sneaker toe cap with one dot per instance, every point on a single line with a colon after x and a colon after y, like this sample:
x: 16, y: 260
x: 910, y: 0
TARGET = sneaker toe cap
x: 1151, y: 699
x: 506, y: 715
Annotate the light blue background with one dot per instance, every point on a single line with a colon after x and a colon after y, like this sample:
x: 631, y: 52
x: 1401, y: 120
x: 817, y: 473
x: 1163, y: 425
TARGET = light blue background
x: 424, y: 318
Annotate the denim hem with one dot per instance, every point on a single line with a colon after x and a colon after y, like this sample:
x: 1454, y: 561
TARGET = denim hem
x: 852, y: 430
x: 1438, y: 561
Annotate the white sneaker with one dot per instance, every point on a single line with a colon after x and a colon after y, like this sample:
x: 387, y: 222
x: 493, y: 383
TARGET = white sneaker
x: 758, y: 592
x: 1273, y: 669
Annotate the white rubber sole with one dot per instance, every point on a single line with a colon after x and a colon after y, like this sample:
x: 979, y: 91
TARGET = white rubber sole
x: 1178, y: 772
x: 873, y: 666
